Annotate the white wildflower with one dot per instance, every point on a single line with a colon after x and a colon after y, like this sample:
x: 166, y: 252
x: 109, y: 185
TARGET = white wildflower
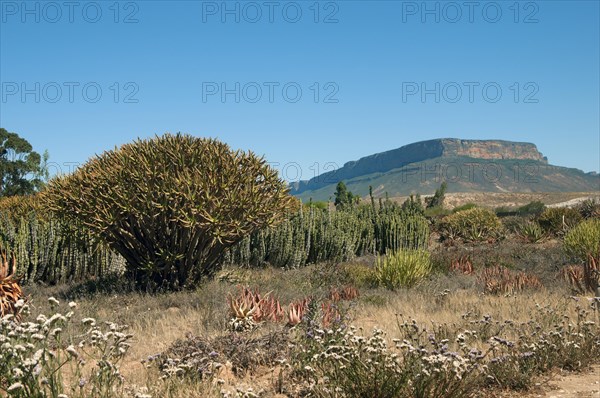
x: 15, y: 387
x: 72, y: 351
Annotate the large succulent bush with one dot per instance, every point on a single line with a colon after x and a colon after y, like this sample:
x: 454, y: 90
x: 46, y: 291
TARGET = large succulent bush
x: 584, y: 240
x: 172, y: 204
x: 476, y: 224
x: 559, y: 220
x: 403, y: 268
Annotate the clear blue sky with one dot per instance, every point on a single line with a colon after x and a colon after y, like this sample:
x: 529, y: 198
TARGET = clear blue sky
x: 167, y: 63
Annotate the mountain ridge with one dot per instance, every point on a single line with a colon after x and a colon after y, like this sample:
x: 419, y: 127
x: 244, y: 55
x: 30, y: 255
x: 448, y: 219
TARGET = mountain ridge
x: 455, y: 160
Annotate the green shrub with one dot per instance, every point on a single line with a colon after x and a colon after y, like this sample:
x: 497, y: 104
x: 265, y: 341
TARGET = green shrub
x: 432, y: 212
x: 505, y: 211
x: 403, y: 268
x: 532, y: 232
x: 360, y: 275
x: 54, y: 355
x: 464, y: 207
x: 558, y: 220
x: 532, y: 208
x: 171, y: 205
x: 514, y: 223
x: 472, y: 225
x: 321, y: 205
x: 589, y: 208
x: 584, y: 239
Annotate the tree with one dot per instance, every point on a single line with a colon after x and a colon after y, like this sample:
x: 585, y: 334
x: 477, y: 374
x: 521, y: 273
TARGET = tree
x: 172, y: 205
x: 343, y: 197
x: 437, y: 200
x: 413, y: 205
x: 22, y: 170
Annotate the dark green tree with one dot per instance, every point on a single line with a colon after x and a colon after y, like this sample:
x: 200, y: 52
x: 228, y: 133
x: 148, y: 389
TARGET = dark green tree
x: 437, y: 200
x: 413, y: 205
x: 343, y: 197
x: 22, y: 170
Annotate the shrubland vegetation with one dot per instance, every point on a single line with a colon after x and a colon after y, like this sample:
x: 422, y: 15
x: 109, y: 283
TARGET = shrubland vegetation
x: 230, y: 288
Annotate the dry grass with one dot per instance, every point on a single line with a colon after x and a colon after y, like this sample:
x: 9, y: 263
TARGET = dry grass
x: 497, y: 199
x: 158, y: 321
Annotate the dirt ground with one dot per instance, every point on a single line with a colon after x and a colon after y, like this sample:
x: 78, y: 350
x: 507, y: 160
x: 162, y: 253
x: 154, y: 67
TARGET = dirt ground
x: 497, y: 199
x: 568, y: 385
x: 576, y: 386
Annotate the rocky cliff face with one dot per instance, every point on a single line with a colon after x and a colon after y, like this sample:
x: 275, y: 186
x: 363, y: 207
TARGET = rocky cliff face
x: 422, y: 151
x: 491, y: 149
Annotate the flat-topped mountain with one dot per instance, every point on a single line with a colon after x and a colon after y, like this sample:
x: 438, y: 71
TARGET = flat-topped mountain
x: 466, y: 165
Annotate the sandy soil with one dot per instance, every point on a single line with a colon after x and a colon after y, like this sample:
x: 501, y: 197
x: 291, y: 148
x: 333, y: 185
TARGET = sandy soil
x: 567, y: 385
x: 576, y: 385
x: 498, y: 199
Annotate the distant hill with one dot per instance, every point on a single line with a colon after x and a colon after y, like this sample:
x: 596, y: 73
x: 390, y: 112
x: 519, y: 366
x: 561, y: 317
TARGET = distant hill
x: 466, y: 165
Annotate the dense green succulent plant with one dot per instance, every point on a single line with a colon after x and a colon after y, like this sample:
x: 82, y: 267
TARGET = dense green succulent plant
x: 474, y: 225
x: 313, y: 235
x: 171, y: 205
x: 559, y: 220
x: 584, y: 239
x: 49, y: 250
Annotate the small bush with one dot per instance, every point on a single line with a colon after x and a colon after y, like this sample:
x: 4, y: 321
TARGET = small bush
x: 532, y: 208
x: 196, y: 358
x: 472, y: 225
x: 403, y: 268
x: 321, y: 205
x: 345, y: 364
x: 466, y: 206
x: 559, y: 220
x: 505, y: 211
x: 574, y: 275
x: 532, y: 232
x: 583, y: 242
x: 438, y: 211
x: 462, y: 265
x: 360, y: 275
x: 589, y: 208
x: 514, y: 224
x: 584, y: 239
x: 501, y: 280
x: 41, y: 358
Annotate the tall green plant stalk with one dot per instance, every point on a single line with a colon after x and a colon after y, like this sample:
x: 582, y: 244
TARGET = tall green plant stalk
x: 312, y: 235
